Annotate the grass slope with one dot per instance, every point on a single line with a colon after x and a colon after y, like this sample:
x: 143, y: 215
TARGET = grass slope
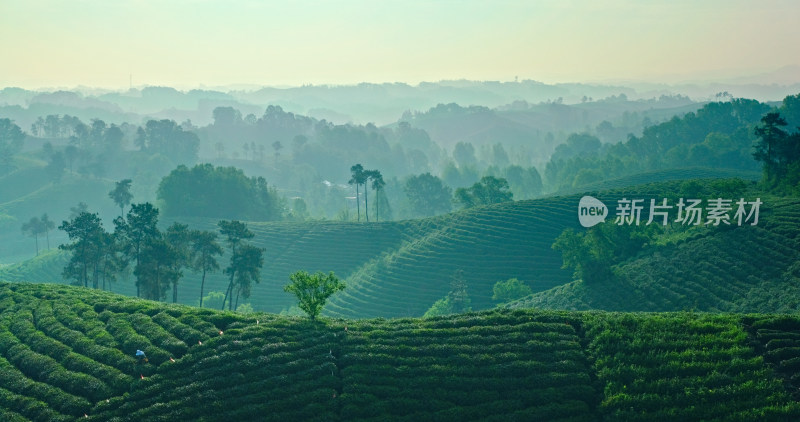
x: 67, y: 352
x: 740, y: 269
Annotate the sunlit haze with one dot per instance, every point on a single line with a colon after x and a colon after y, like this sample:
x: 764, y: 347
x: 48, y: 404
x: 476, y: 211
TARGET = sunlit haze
x: 192, y: 43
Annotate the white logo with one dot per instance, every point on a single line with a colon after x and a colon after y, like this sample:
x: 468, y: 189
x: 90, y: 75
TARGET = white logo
x: 591, y: 211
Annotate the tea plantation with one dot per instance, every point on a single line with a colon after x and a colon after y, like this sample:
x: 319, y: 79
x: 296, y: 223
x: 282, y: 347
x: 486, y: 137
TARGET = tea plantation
x: 67, y: 353
x: 734, y: 269
x: 399, y: 269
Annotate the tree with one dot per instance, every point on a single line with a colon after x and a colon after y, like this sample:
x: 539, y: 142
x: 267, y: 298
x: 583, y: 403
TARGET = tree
x: 141, y: 139
x: 86, y: 232
x: 768, y: 146
x: 71, y: 153
x: 247, y: 266
x: 592, y: 253
x: 11, y: 140
x: 312, y: 291
x: 218, y: 192
x: 111, y: 259
x: 511, y: 289
x: 47, y: 225
x: 121, y: 194
x: 377, y: 181
x: 524, y: 183
x: 156, y: 269
x: 204, y: 250
x: 55, y: 168
x: 357, y: 178
x: 464, y: 154
x: 137, y: 232
x: 167, y: 138
x: 277, y: 146
x: 235, y: 233
x: 490, y: 190
x: 377, y: 184
x: 179, y: 238
x: 428, y: 195
x: 459, y: 299
x: 77, y: 209
x: 34, y: 227
x: 456, y: 301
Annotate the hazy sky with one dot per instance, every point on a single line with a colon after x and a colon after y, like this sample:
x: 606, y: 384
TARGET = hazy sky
x: 189, y: 43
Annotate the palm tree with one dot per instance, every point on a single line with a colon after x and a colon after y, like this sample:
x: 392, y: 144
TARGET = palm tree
x: 377, y: 184
x: 359, y: 177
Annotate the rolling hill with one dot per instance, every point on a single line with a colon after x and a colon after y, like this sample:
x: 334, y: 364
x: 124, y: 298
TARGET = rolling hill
x: 741, y: 269
x: 68, y: 353
x: 396, y: 269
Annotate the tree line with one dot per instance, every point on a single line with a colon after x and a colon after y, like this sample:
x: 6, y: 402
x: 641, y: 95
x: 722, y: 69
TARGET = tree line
x: 428, y: 195
x: 157, y: 258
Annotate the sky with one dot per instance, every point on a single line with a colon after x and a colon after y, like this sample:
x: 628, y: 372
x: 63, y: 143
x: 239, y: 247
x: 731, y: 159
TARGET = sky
x: 212, y: 43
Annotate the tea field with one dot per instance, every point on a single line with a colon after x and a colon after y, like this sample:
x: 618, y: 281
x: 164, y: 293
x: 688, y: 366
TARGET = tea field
x: 734, y: 269
x: 399, y: 269
x: 68, y: 353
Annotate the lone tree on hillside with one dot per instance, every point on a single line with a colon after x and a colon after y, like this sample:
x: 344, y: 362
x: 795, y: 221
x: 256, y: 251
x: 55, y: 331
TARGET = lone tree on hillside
x: 312, y: 291
x: 358, y: 178
x: 34, y: 227
x: 377, y: 183
x: 121, y: 194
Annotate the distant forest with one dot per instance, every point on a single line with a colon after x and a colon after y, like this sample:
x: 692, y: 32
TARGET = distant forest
x: 430, y: 161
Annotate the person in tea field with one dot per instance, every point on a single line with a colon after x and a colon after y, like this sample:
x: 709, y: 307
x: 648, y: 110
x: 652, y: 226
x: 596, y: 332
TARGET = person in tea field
x: 140, y: 357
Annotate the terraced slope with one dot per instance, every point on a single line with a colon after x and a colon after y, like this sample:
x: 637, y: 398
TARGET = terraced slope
x: 289, y: 247
x: 743, y: 269
x: 68, y: 353
x: 663, y: 176
x: 489, y: 244
x: 401, y: 268
x: 680, y: 367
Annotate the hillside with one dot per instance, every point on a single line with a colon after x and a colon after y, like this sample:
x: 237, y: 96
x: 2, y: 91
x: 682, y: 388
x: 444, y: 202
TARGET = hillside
x: 28, y: 192
x: 743, y: 269
x: 400, y: 268
x: 68, y: 353
x: 663, y: 176
x: 396, y: 269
